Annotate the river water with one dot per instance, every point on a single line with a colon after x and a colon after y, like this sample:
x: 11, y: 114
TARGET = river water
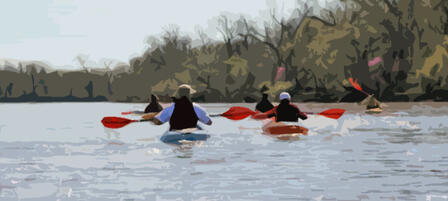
x: 61, y: 151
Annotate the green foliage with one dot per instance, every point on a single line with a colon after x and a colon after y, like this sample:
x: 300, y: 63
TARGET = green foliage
x: 319, y: 56
x: 239, y: 65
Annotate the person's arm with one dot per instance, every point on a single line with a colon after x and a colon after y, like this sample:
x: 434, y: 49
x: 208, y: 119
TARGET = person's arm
x: 209, y: 122
x: 163, y: 116
x: 301, y: 114
x: 202, y: 115
x: 268, y: 114
x: 272, y: 112
x: 155, y: 121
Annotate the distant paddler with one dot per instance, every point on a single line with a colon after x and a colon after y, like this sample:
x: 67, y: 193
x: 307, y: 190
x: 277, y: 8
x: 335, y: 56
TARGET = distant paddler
x: 154, y: 105
x: 372, y: 105
x: 264, y: 105
x: 151, y: 109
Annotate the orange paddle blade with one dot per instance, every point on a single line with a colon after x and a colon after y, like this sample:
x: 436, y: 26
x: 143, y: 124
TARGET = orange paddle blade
x: 116, y: 122
x: 238, y: 113
x: 355, y: 84
x: 332, y: 113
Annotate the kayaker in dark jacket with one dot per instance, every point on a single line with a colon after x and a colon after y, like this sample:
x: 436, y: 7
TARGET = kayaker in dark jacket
x: 286, y: 111
x: 153, y: 105
x: 264, y: 105
x: 182, y: 114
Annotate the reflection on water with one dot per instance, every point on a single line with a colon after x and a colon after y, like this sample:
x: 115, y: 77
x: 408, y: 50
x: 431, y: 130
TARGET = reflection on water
x: 400, y: 154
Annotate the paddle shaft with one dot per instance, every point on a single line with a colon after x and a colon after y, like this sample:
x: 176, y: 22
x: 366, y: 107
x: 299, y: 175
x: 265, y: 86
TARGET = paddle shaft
x: 317, y: 113
x: 365, y: 93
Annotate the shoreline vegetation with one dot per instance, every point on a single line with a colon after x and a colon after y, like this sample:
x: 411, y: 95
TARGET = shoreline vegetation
x: 396, y: 50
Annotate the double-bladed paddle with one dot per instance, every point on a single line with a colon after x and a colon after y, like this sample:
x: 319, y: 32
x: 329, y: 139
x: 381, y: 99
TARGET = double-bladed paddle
x: 234, y: 113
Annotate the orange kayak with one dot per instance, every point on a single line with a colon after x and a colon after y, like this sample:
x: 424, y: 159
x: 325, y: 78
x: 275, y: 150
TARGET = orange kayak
x: 286, y: 129
x: 280, y: 128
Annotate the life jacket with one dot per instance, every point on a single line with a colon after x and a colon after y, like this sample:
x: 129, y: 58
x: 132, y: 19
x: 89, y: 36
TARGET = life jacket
x: 154, y: 106
x: 183, y: 115
x: 264, y: 105
x: 286, y: 112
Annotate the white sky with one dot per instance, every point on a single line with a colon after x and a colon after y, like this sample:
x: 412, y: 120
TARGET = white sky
x: 55, y: 31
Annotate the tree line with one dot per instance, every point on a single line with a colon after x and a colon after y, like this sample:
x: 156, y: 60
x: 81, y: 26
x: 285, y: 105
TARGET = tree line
x: 396, y: 50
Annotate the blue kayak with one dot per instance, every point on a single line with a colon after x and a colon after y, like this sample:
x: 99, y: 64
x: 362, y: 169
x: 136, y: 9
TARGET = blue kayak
x: 180, y: 137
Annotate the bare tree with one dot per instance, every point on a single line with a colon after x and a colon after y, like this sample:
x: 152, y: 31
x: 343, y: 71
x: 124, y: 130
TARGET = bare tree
x: 205, y: 40
x: 228, y: 32
x: 172, y: 35
x: 329, y: 17
x: 82, y: 60
x: 108, y: 64
x: 275, y: 33
x: 153, y: 43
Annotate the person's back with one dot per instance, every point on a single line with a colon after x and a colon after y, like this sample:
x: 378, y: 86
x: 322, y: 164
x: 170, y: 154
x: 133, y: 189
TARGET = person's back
x: 264, y: 105
x: 183, y: 113
x: 154, y: 105
x: 285, y: 111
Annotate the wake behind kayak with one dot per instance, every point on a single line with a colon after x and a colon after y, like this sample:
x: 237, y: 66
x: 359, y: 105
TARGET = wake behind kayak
x: 184, y: 136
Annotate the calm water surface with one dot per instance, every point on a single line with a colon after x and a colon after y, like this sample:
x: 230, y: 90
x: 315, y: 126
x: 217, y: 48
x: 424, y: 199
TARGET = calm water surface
x: 61, y: 151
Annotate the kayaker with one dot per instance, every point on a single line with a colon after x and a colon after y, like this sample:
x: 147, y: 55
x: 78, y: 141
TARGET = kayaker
x: 285, y: 111
x: 372, y: 103
x: 153, y: 105
x: 264, y: 105
x: 286, y: 115
x: 182, y: 114
x: 373, y: 106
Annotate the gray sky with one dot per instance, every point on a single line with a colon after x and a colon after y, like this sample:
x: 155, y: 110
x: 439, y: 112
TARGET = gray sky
x: 55, y: 31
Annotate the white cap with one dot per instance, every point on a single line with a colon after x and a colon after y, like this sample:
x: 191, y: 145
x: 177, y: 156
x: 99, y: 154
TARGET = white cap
x: 285, y: 95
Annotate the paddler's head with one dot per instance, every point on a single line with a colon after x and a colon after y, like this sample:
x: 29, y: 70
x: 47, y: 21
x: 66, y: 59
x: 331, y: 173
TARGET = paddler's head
x: 184, y: 90
x: 265, y: 97
x: 285, y: 97
x: 154, y: 98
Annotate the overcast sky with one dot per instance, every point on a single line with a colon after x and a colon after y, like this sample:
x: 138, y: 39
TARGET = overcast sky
x: 55, y: 31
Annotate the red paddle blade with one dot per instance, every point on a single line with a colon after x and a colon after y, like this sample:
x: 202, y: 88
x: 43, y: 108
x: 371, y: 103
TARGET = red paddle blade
x: 332, y: 113
x: 126, y: 113
x: 355, y: 84
x: 238, y: 113
x: 116, y: 122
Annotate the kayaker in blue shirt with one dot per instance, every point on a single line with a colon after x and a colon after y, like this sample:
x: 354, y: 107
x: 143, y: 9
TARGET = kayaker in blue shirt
x: 182, y: 114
